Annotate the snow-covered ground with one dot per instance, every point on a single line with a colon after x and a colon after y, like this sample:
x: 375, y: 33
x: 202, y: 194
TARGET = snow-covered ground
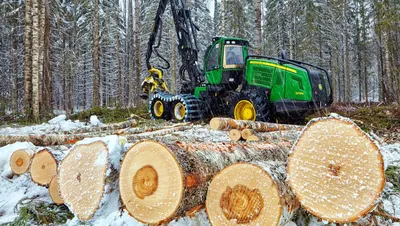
x: 16, y: 188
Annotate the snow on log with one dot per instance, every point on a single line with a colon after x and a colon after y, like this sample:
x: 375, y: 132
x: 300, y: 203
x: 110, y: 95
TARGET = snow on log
x: 246, y: 133
x: 162, y: 181
x: 277, y: 136
x: 336, y: 170
x: 227, y: 124
x: 235, y: 135
x: 88, y: 176
x: 251, y: 194
x: 20, y: 160
x: 54, y: 191
x: 44, y: 167
x: 6, y: 152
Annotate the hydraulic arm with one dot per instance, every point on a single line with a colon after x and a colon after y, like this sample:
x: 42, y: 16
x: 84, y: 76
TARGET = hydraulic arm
x: 189, y: 73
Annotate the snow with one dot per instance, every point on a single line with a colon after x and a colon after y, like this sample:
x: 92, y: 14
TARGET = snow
x: 94, y: 121
x: 21, y: 187
x: 58, y: 119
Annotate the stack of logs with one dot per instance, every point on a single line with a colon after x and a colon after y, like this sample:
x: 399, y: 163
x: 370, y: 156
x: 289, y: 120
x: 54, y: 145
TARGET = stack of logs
x: 334, y: 171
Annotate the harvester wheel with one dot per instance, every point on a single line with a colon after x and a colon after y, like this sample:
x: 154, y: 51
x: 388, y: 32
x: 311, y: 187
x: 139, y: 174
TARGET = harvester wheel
x: 159, y: 109
x: 252, y: 106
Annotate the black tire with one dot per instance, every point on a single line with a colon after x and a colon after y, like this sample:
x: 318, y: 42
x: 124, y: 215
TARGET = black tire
x: 230, y: 102
x: 165, y: 114
x: 260, y: 102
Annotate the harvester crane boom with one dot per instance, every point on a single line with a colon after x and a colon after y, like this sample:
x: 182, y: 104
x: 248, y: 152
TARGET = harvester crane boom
x: 189, y: 73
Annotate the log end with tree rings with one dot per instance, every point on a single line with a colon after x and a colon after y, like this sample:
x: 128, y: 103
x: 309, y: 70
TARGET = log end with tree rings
x: 82, y: 178
x: 151, y: 182
x: 246, y: 133
x: 54, y: 191
x: 43, y: 167
x: 336, y: 170
x: 243, y: 194
x: 20, y: 161
x: 235, y: 135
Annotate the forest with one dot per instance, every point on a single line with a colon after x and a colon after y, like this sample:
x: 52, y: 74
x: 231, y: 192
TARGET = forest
x: 74, y: 55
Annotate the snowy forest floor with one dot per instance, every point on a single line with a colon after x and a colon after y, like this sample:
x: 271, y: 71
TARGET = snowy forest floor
x: 23, y: 202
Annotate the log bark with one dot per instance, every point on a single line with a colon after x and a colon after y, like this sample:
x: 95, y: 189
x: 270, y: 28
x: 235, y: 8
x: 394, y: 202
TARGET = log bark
x: 168, y: 179
x: 227, y: 124
x: 43, y: 139
x: 88, y: 176
x: 54, y: 191
x: 235, y: 135
x: 259, y: 196
x: 43, y: 167
x: 277, y: 136
x: 336, y: 170
x: 20, y: 160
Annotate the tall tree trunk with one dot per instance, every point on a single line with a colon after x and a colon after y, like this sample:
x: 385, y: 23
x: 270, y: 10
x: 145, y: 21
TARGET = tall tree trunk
x: 41, y: 47
x: 173, y: 63
x: 138, y: 101
x: 119, y: 83
x: 96, y: 66
x: 348, y: 94
x: 222, y: 20
x: 28, y: 58
x: 14, y: 71
x: 47, y: 76
x: 257, y: 36
x: 130, y: 54
x: 35, y: 60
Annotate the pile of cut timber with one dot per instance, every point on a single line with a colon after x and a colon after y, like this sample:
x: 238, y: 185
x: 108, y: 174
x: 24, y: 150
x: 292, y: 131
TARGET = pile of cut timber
x: 334, y: 171
x: 256, y: 131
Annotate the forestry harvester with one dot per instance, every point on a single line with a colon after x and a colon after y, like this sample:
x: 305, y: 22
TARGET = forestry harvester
x: 233, y: 82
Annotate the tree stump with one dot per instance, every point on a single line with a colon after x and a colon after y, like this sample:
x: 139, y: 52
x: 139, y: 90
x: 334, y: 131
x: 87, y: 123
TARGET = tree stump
x: 336, y: 170
x: 227, y: 124
x: 54, y: 191
x: 259, y: 196
x: 43, y: 167
x: 88, y: 175
x: 159, y: 182
x: 20, y: 161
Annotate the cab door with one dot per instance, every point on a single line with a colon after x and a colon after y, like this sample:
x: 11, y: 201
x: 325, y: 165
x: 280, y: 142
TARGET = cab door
x: 212, y: 64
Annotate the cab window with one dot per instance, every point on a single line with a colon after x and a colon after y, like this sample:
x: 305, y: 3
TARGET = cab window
x: 233, y: 56
x: 212, y: 63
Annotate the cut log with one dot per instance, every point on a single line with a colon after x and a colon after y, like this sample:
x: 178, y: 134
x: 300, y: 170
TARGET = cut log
x: 54, y: 191
x: 88, y: 176
x: 159, y: 182
x: 227, y: 124
x: 246, y: 133
x: 277, y: 136
x: 235, y: 135
x: 336, y: 170
x: 153, y: 134
x: 20, y: 161
x: 43, y: 167
x: 259, y: 196
x: 43, y: 139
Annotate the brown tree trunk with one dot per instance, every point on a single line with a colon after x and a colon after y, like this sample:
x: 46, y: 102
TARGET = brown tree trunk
x: 96, y: 65
x: 168, y: 179
x: 336, y: 170
x: 259, y: 196
x: 348, y: 73
x: 88, y: 176
x: 119, y: 77
x: 47, y: 97
x: 228, y: 124
x: 130, y: 53
x: 28, y: 58
x: 257, y: 36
